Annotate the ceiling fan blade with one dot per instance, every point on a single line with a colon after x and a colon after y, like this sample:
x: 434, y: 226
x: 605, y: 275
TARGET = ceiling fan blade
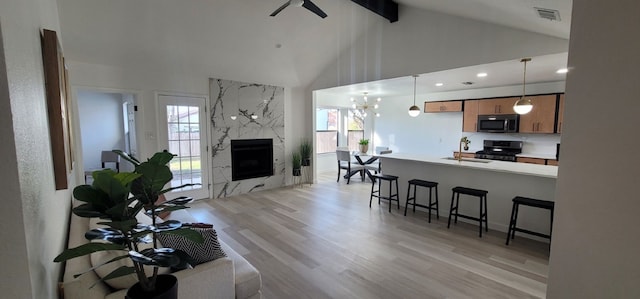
x: 313, y: 8
x: 277, y: 11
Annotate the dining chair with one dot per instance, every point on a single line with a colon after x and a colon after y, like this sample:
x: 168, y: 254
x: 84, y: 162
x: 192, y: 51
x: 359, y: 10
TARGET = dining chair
x: 344, y: 162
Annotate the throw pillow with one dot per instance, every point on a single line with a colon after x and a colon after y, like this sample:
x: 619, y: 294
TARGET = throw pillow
x: 209, y: 250
x: 100, y: 257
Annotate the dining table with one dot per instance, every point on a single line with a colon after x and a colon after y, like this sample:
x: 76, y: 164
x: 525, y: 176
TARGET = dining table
x: 363, y: 159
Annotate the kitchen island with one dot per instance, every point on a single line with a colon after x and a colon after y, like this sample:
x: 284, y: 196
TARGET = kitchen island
x: 503, y: 180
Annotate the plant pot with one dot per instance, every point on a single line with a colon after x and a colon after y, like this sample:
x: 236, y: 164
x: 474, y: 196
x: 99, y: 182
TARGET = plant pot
x: 364, y: 148
x: 306, y: 161
x: 166, y: 288
x: 297, y: 172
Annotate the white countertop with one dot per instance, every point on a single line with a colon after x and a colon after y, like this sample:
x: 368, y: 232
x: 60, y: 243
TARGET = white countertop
x: 547, y: 171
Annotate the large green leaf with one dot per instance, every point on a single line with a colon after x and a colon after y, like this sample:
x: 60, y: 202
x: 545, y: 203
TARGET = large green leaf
x: 126, y: 178
x: 88, y: 211
x: 88, y: 194
x: 154, y: 176
x: 85, y: 249
x: 161, y: 158
x: 106, y: 182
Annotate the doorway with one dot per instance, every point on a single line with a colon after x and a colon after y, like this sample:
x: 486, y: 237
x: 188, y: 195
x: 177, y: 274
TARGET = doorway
x: 107, y: 122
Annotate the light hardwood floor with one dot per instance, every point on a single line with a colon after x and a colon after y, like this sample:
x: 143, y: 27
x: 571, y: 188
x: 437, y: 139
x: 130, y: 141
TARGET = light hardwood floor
x: 323, y: 241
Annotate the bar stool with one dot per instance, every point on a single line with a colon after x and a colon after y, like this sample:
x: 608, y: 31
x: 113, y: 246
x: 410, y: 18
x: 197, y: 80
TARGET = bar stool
x: 531, y: 202
x: 430, y: 206
x: 376, y: 193
x: 481, y: 194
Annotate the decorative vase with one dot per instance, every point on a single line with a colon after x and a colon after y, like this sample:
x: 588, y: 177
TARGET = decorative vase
x: 306, y: 161
x: 166, y: 288
x: 297, y: 172
x: 364, y: 148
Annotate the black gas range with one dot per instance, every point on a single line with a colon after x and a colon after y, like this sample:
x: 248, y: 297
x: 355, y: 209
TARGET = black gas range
x: 502, y: 150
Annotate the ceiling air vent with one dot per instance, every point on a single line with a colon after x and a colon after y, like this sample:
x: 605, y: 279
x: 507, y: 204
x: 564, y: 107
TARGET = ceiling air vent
x: 549, y: 14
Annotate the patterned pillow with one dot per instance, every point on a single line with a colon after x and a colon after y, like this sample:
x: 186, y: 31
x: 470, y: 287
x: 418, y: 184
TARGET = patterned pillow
x: 209, y: 250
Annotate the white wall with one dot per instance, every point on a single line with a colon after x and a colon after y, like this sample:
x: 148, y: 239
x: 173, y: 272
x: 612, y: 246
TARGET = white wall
x: 101, y: 125
x: 33, y: 215
x: 596, y: 236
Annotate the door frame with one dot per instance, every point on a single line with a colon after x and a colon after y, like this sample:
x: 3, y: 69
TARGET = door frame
x: 160, y: 124
x: 139, y: 115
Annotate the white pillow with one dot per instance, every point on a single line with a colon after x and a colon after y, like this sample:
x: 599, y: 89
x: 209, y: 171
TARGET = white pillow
x: 123, y: 282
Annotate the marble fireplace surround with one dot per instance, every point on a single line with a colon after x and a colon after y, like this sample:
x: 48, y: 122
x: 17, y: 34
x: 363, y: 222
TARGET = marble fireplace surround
x: 239, y: 100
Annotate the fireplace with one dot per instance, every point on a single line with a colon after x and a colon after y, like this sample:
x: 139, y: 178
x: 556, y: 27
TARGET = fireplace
x: 251, y: 158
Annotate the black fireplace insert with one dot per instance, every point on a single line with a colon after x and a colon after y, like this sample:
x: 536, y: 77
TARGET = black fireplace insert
x: 251, y: 158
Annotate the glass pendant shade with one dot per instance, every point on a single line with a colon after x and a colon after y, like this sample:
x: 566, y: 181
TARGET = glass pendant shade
x: 523, y: 106
x: 414, y: 111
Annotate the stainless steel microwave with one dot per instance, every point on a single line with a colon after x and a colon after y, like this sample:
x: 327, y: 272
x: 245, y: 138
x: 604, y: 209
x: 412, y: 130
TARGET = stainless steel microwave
x: 503, y: 123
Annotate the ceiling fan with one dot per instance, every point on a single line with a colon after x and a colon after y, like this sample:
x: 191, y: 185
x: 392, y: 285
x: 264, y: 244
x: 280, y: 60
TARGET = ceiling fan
x: 301, y: 3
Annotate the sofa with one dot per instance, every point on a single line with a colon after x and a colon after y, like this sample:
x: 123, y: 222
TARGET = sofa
x: 228, y: 277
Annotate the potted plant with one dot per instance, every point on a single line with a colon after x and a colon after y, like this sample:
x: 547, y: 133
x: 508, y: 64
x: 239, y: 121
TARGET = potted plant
x: 364, y: 145
x: 116, y: 198
x: 305, y: 152
x: 466, y: 142
x: 296, y: 160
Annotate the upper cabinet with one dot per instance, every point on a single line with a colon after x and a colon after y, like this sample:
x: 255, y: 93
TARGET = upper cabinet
x: 542, y: 117
x: 445, y: 106
x: 560, y: 114
x: 470, y: 116
x: 497, y: 106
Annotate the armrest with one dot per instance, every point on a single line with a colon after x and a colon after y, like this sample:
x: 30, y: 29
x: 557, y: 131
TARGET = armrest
x: 215, y: 279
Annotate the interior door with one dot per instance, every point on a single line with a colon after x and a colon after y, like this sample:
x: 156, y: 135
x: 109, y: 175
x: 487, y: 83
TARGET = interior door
x: 184, y: 133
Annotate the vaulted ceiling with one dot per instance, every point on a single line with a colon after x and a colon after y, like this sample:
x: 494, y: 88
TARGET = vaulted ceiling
x: 238, y: 40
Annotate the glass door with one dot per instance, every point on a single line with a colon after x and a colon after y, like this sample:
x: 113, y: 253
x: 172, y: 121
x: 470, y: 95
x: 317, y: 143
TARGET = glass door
x: 184, y: 135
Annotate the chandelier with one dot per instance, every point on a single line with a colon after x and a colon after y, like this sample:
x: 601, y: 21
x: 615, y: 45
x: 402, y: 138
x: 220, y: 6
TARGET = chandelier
x: 363, y: 105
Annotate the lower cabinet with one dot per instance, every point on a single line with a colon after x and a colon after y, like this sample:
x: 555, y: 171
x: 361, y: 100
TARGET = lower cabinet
x: 464, y: 155
x: 531, y: 160
x: 537, y: 161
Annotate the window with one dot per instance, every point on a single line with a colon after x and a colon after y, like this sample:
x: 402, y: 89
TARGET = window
x: 326, y: 130
x: 355, y: 129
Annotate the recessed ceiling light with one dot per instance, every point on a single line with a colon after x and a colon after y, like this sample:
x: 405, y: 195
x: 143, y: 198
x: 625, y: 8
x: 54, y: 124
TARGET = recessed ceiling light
x: 562, y: 71
x: 481, y: 75
x: 439, y: 84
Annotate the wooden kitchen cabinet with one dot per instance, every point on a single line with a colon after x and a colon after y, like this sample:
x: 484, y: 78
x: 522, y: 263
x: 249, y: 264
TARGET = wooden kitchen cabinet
x: 531, y: 160
x: 497, y: 106
x: 445, y: 106
x: 542, y: 117
x: 560, y: 114
x: 470, y: 116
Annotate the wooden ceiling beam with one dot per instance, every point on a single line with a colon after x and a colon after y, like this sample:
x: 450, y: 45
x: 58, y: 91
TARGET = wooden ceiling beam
x: 388, y: 9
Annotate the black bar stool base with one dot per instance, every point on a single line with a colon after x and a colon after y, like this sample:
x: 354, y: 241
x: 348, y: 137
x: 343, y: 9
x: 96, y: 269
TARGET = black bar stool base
x: 376, y: 193
x: 453, y: 211
x: 433, y: 205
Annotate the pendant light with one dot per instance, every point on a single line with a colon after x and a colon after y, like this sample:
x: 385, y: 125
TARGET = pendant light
x: 523, y: 105
x: 414, y: 110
